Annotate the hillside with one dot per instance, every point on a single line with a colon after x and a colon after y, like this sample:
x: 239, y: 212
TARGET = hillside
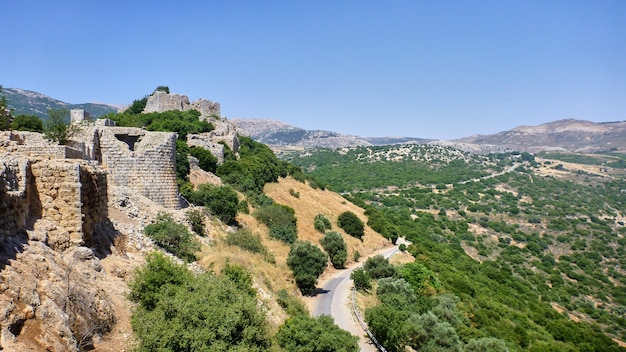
x: 519, y: 240
x: 280, y: 136
x: 566, y: 135
x: 32, y: 103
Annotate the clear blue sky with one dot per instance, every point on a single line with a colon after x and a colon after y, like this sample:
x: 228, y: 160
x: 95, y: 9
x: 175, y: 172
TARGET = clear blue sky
x: 433, y: 69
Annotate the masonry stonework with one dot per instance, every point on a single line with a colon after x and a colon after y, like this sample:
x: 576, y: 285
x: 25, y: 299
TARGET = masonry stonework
x: 142, y: 161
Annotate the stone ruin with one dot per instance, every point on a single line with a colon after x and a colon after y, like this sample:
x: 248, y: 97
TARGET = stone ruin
x: 161, y: 101
x: 54, y: 209
x: 68, y: 184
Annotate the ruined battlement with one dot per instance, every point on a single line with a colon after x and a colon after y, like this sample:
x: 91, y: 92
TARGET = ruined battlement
x: 161, y: 101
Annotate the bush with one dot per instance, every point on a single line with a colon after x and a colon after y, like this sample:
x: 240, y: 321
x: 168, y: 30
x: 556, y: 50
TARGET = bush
x: 173, y: 237
x: 285, y: 233
x: 336, y: 248
x: 350, y: 223
x: 27, y: 123
x: 307, y: 262
x: 305, y: 333
x: 292, y: 305
x: 361, y: 279
x: 206, y: 160
x: 378, y: 267
x: 246, y: 239
x: 191, y: 313
x: 281, y: 221
x: 321, y: 223
x: 156, y: 275
x: 57, y: 128
x: 402, y: 247
x: 196, y: 219
x: 222, y: 201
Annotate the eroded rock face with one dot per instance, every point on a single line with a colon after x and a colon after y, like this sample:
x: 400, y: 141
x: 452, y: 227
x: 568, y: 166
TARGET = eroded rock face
x: 51, y: 301
x: 161, y: 101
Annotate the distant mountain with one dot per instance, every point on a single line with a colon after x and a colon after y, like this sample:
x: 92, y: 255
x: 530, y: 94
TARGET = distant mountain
x: 32, y: 103
x: 280, y: 134
x: 566, y: 135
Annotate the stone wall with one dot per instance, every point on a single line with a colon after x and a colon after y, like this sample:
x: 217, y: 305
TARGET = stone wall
x: 161, y: 101
x: 142, y: 161
x: 15, y: 204
x: 71, y: 195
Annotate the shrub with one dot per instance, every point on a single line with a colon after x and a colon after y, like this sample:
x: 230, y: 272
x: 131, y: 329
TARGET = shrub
x: 402, y: 247
x: 57, y: 129
x: 285, y: 233
x: 292, y: 305
x: 294, y: 193
x: 361, y: 279
x: 315, y: 334
x: 206, y: 160
x: 357, y: 256
x: 222, y: 201
x: 196, y: 219
x: 336, y: 248
x: 246, y: 239
x: 378, y: 267
x: 173, y: 237
x: 193, y: 315
x: 27, y: 123
x: 321, y: 223
x: 307, y: 262
x: 350, y: 223
x: 281, y: 221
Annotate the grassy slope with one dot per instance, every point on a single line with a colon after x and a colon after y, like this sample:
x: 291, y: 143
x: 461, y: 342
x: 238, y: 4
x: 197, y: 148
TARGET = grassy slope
x: 270, y: 278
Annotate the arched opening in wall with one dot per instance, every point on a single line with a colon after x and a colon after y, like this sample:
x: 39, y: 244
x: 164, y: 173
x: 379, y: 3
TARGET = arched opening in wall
x: 128, y: 139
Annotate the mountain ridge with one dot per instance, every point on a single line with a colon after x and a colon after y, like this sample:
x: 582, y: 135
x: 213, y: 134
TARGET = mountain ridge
x: 29, y: 102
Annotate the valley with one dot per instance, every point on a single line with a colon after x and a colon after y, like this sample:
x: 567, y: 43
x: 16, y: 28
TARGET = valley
x: 511, y: 246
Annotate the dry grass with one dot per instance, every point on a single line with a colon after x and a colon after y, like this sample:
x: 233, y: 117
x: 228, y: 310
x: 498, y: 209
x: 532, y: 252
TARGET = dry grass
x: 269, y: 278
x: 312, y: 202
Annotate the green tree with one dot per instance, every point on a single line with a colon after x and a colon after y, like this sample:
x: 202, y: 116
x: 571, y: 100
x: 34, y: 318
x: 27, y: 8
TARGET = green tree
x: 206, y: 160
x: 362, y: 280
x: 321, y: 223
x: 6, y: 116
x: 378, y: 267
x: 385, y: 322
x: 196, y: 219
x: 57, y: 128
x: 173, y: 237
x: 307, y: 262
x: 336, y: 248
x: 486, y: 344
x: 207, y: 313
x: 222, y: 201
x: 27, y: 123
x: 156, y: 275
x: 426, y: 332
x: 351, y: 223
x: 320, y: 334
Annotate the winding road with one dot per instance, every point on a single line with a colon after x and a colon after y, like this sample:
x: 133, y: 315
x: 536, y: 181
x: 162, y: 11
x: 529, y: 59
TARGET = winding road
x: 334, y: 300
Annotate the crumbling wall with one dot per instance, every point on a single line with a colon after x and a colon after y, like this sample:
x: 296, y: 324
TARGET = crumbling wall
x: 161, y: 101
x: 15, y: 200
x: 94, y: 199
x: 142, y: 161
x: 58, y: 188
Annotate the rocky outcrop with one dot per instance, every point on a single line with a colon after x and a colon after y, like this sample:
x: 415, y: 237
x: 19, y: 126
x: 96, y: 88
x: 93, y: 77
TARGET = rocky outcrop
x: 161, y: 101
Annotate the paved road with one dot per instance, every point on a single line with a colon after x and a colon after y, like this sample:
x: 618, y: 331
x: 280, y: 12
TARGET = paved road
x: 334, y: 300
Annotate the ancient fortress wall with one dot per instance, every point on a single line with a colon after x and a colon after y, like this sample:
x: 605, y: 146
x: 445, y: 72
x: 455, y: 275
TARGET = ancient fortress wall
x: 161, y: 101
x: 66, y: 193
x: 142, y: 161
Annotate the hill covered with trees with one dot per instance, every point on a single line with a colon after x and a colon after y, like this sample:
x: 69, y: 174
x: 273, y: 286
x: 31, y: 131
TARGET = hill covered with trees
x: 526, y: 250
